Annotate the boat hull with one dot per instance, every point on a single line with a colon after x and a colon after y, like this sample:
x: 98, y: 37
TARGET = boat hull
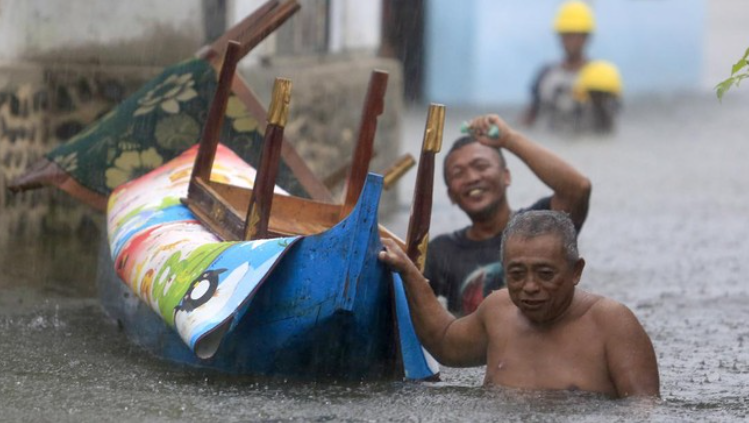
x: 325, y: 311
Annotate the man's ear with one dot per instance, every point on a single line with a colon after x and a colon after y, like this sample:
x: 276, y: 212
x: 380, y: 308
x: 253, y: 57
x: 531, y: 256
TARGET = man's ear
x: 507, y: 176
x: 577, y: 270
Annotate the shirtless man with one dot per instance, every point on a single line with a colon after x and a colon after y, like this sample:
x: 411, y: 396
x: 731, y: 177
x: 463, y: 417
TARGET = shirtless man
x: 541, y: 332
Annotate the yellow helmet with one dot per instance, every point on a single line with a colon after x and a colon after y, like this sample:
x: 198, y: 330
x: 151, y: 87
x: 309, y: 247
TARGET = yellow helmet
x: 598, y: 75
x: 574, y: 16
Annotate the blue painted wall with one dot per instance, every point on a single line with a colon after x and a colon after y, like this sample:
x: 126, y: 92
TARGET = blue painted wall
x: 486, y: 52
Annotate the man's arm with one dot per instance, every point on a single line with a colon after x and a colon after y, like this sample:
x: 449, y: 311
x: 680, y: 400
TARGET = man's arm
x: 629, y: 354
x: 453, y: 342
x: 571, y: 188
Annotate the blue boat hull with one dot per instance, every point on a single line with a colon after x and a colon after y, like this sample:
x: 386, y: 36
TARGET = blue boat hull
x: 326, y: 310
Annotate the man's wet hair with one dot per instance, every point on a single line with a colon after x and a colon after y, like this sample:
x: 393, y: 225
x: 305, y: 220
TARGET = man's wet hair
x: 536, y: 223
x: 462, y: 142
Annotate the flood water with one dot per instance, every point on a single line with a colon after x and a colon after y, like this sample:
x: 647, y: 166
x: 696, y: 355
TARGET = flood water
x: 667, y: 234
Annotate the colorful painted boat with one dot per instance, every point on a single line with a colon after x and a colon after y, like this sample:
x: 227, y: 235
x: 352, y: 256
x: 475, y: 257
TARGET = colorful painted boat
x: 298, y: 292
x: 307, y: 306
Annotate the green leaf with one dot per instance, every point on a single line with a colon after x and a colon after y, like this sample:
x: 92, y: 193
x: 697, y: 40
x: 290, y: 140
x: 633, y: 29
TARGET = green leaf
x: 737, y: 67
x: 735, y: 78
x: 740, y: 64
x: 722, y: 87
x: 739, y: 78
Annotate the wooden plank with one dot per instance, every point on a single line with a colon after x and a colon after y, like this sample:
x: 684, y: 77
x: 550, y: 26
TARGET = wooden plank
x: 385, y: 233
x: 291, y: 215
x: 216, y: 215
x: 217, y: 206
x: 374, y: 105
x: 417, y: 236
x: 212, y: 129
x: 274, y: 20
x: 252, y: 30
x: 261, y: 201
x: 392, y: 174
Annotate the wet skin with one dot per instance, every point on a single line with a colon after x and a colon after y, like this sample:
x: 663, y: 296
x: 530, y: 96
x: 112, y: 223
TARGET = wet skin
x: 539, y: 345
x: 539, y: 333
x: 477, y: 180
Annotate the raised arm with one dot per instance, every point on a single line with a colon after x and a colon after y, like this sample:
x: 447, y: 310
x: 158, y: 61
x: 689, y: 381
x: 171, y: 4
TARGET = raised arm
x: 453, y: 342
x: 629, y: 354
x: 571, y: 188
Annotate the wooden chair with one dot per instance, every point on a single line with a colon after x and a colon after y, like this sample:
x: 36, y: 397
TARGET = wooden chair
x: 220, y: 206
x: 248, y: 34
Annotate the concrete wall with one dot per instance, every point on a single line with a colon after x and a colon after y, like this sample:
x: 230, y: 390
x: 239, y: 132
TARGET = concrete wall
x: 62, y: 64
x: 133, y: 32
x: 47, y: 237
x: 355, y: 26
x: 487, y: 51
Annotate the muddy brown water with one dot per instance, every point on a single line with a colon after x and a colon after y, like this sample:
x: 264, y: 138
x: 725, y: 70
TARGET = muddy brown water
x: 667, y: 234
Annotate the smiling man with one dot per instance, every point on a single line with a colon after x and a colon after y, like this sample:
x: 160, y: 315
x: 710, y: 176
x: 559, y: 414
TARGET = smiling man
x: 541, y: 332
x: 463, y: 266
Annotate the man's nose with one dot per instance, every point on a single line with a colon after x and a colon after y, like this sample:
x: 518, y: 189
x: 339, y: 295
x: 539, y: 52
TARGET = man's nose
x: 472, y: 175
x: 530, y: 285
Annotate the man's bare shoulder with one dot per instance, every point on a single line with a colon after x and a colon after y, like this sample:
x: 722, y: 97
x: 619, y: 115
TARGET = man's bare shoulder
x: 499, y: 298
x: 495, y: 304
x: 607, y: 312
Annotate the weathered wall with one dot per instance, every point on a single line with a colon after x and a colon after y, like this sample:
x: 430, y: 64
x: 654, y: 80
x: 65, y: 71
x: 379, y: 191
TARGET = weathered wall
x: 41, y: 106
x: 47, y: 236
x: 23, y: 139
x: 63, y: 65
x: 134, y: 32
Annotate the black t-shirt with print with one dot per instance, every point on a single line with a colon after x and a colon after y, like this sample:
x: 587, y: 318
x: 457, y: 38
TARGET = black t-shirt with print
x: 464, y: 271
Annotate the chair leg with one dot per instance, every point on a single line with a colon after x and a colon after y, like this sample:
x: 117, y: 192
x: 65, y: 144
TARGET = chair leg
x: 374, y: 105
x: 417, y: 237
x: 258, y: 212
x: 212, y: 129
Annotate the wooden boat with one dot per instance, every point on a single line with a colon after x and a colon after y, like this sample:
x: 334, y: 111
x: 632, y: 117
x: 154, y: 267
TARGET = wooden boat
x: 293, y: 288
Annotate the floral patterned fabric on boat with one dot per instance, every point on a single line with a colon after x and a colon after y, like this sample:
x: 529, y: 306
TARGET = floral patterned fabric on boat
x: 157, y: 123
x: 193, y: 280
